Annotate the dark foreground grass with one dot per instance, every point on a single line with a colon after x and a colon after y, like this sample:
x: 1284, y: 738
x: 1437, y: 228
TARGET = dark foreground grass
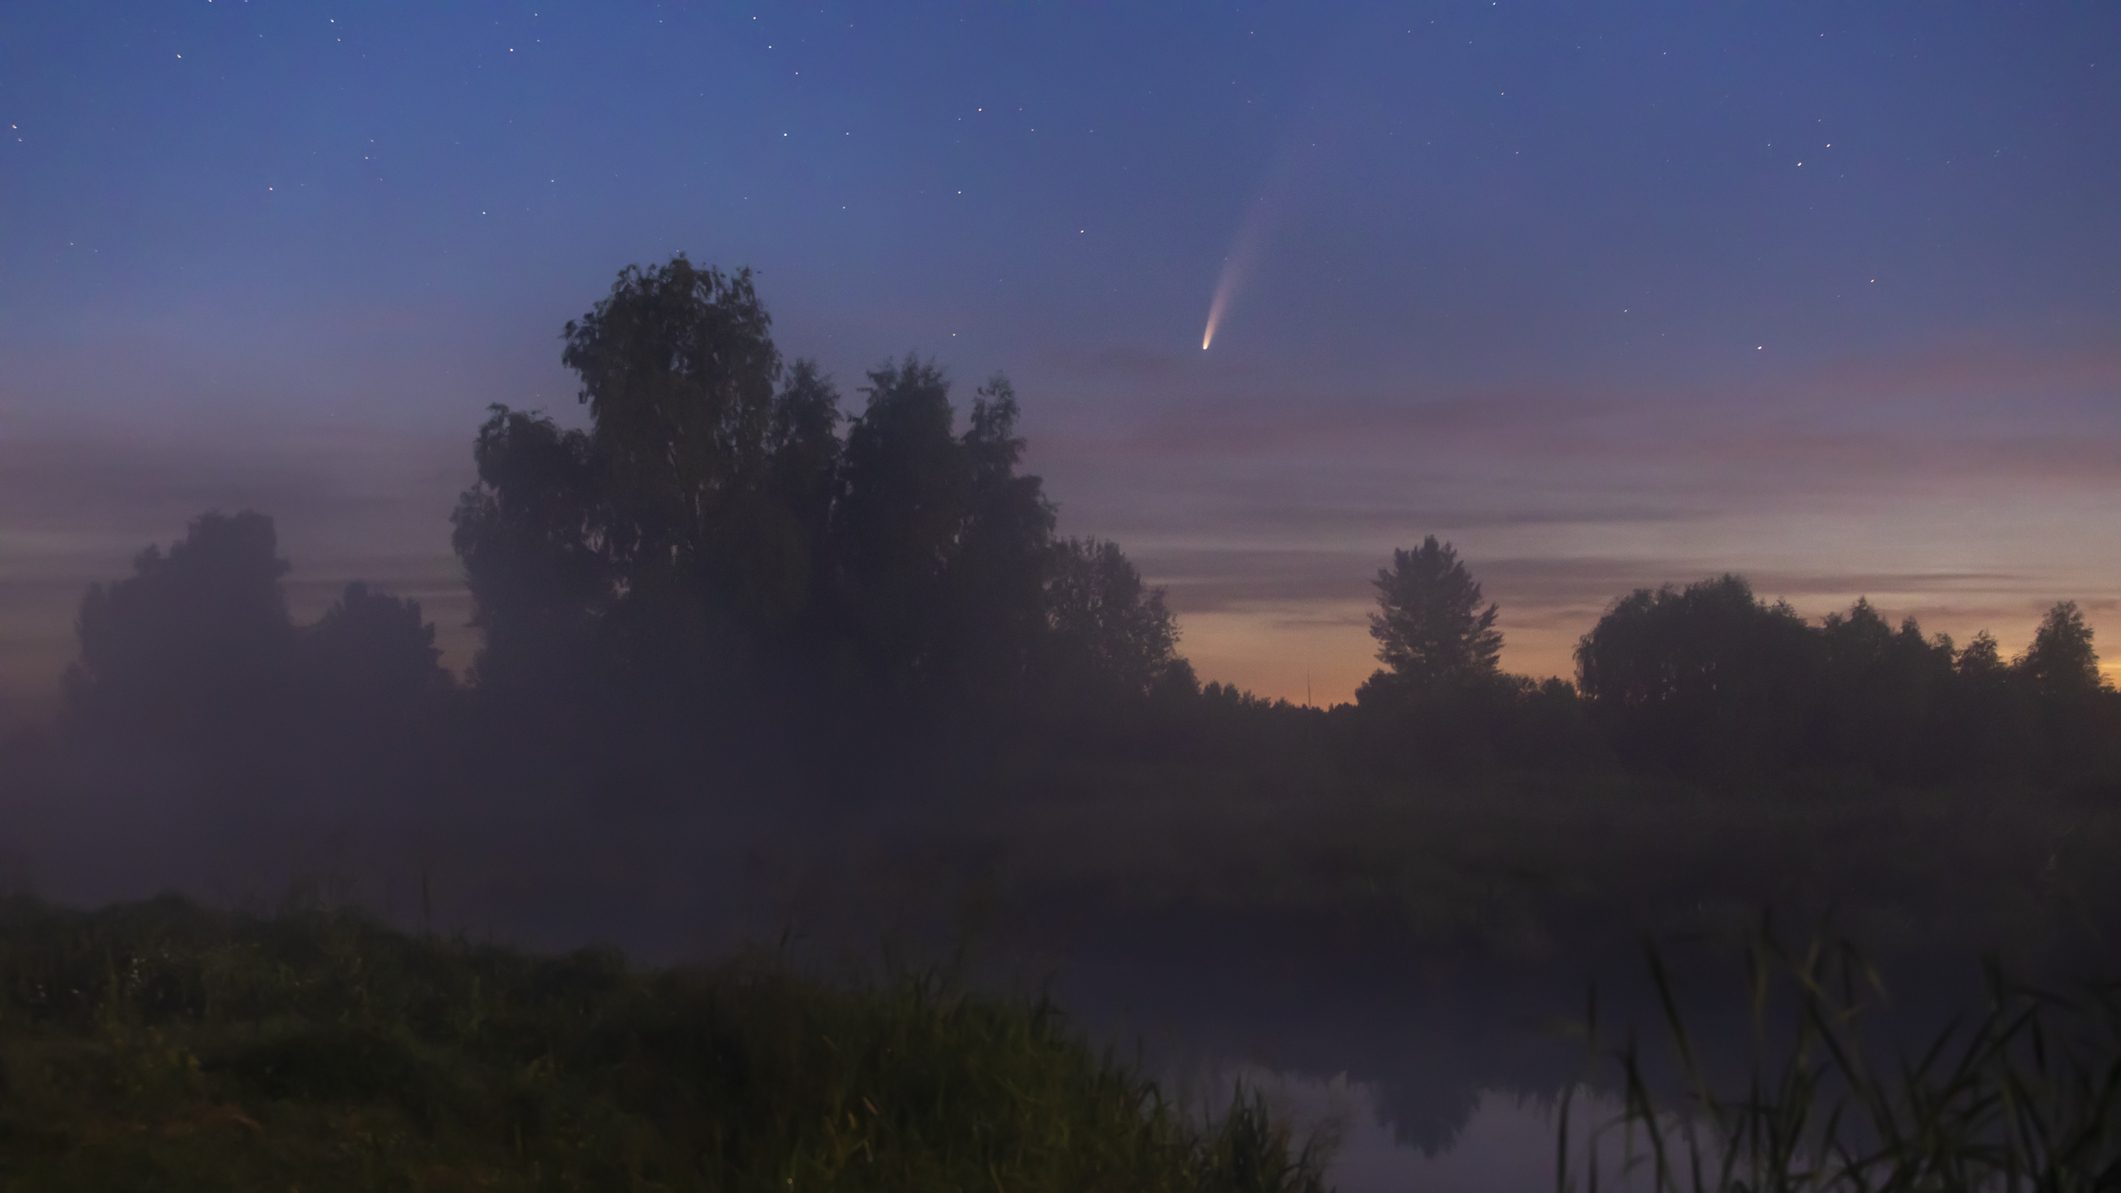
x: 2020, y: 1094
x: 160, y: 1046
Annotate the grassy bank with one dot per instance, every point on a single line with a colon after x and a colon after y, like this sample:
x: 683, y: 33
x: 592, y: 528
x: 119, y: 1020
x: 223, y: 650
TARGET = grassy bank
x: 160, y: 1046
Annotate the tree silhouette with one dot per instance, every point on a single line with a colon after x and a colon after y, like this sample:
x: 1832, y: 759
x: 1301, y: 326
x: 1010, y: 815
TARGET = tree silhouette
x: 195, y: 641
x: 1430, y: 627
x: 371, y: 650
x: 1882, y: 692
x: 680, y: 542
x: 1701, y: 677
x: 1111, y: 632
x: 2061, y: 661
x: 900, y: 517
x: 1178, y: 684
x: 805, y: 456
x: 711, y: 543
x: 1981, y: 658
x: 942, y: 544
x: 679, y: 372
x: 999, y: 592
x: 1988, y: 727
x: 531, y: 536
x: 678, y: 369
x: 2072, y: 705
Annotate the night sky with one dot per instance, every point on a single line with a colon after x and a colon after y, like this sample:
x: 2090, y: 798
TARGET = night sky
x: 1830, y: 295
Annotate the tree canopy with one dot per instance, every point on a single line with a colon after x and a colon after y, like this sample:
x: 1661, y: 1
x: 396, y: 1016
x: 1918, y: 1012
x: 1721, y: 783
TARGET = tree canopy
x: 1431, y: 628
x: 199, y: 633
x: 1107, y: 625
x: 719, y: 532
x: 1700, y: 673
x: 2061, y: 661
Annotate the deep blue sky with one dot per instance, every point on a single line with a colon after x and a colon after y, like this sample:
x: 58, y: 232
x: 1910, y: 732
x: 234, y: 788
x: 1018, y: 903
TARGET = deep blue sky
x: 1829, y: 294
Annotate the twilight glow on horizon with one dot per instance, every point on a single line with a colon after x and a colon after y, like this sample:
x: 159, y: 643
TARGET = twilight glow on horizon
x: 1609, y: 297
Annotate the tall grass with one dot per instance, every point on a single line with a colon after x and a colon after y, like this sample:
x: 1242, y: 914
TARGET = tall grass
x: 2022, y: 1094
x: 160, y: 1046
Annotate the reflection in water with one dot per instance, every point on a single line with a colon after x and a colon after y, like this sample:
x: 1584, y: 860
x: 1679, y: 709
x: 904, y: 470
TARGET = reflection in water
x: 1503, y: 1143
x: 1422, y: 1083
x: 1432, y: 1081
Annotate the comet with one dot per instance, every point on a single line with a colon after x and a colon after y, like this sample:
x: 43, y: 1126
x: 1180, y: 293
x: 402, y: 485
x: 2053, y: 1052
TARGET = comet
x: 1225, y: 286
x: 1295, y: 159
x: 1237, y: 269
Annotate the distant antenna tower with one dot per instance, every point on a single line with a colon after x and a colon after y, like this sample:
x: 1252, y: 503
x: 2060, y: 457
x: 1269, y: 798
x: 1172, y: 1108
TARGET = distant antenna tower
x: 1307, y: 689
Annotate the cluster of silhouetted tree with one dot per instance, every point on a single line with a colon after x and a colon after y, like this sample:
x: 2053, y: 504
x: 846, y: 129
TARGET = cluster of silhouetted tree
x: 718, y: 569
x: 1707, y: 679
x: 724, y: 579
x: 1709, y: 676
x: 192, y: 679
x: 720, y: 576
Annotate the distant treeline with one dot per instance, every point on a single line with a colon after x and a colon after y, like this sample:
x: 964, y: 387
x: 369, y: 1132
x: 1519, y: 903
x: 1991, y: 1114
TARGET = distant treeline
x: 1709, y: 680
x: 727, y: 582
